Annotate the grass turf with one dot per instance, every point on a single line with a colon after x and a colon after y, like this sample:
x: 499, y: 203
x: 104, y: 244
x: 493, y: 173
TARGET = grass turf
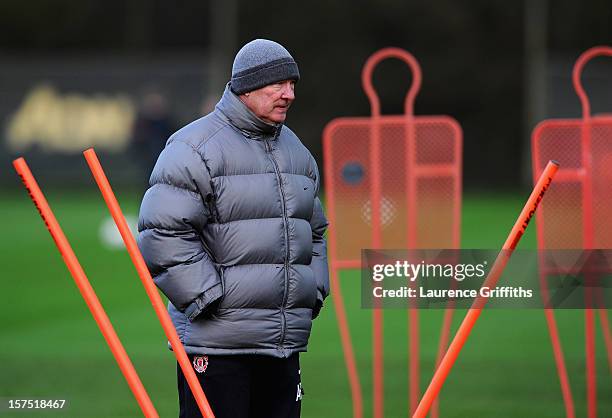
x: 50, y: 346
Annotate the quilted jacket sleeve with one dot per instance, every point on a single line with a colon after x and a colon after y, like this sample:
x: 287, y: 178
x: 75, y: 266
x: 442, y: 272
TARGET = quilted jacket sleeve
x: 318, y: 224
x: 173, y: 211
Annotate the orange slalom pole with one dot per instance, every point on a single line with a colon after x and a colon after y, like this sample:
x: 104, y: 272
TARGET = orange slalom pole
x: 414, y: 373
x: 336, y: 291
x: 498, y: 267
x: 89, y: 295
x: 605, y: 328
x: 553, y: 332
x: 589, y: 336
x: 147, y: 281
x: 345, y: 338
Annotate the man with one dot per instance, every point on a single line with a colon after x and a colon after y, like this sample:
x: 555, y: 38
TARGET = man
x: 232, y: 232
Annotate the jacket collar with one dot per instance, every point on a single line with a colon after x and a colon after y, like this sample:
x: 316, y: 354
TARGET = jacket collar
x: 243, y: 118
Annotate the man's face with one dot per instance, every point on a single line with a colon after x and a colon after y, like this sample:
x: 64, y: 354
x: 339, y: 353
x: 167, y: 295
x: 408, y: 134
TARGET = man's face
x: 270, y: 103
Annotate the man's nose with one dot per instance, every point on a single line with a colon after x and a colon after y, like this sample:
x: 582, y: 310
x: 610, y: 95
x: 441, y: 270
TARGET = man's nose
x: 288, y: 92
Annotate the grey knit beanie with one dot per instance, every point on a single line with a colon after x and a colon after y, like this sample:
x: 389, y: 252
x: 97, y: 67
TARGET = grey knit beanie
x: 262, y: 62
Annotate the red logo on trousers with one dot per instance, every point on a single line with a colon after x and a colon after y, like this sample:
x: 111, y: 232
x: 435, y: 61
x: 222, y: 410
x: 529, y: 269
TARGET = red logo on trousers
x: 200, y: 363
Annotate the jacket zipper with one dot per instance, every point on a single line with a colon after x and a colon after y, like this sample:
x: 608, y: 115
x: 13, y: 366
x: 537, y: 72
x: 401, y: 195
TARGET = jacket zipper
x: 286, y: 231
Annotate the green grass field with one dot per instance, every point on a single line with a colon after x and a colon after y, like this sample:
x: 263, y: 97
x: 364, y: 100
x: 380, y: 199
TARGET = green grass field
x: 51, y: 348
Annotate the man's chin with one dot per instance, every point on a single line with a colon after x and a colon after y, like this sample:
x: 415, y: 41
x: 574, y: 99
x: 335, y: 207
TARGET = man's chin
x: 279, y: 117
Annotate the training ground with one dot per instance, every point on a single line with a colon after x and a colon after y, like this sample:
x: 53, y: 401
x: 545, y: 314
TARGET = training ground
x: 50, y: 346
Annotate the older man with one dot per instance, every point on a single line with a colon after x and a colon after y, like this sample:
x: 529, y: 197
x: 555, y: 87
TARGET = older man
x: 232, y: 232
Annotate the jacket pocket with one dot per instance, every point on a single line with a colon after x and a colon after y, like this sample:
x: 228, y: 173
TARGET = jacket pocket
x: 306, y: 286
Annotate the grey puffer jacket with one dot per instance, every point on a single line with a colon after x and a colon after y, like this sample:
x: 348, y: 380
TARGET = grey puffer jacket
x: 232, y: 232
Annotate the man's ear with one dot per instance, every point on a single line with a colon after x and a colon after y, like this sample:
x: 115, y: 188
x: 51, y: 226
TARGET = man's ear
x: 243, y: 97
